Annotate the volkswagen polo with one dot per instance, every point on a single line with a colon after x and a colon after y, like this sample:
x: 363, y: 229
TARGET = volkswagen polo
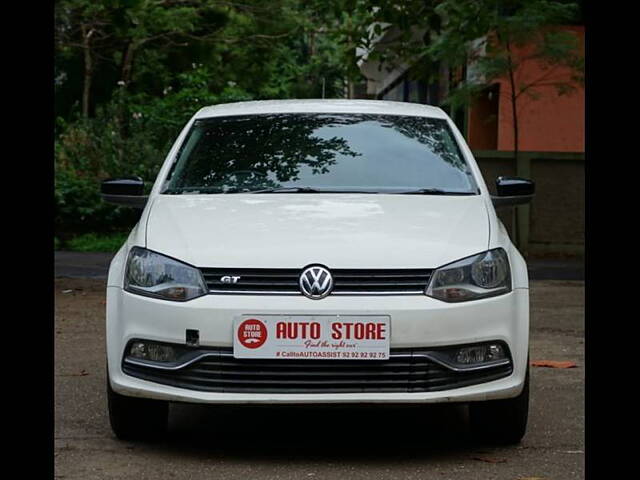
x: 318, y: 252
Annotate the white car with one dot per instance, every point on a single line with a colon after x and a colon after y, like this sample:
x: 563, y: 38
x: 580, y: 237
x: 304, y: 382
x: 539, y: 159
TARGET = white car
x: 318, y: 252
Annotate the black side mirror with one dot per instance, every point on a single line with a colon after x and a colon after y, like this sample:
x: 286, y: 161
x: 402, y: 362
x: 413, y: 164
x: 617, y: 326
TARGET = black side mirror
x: 128, y: 192
x: 513, y: 191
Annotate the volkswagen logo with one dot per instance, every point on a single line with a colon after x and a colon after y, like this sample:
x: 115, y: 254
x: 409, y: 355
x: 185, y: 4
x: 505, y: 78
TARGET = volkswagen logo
x: 316, y: 282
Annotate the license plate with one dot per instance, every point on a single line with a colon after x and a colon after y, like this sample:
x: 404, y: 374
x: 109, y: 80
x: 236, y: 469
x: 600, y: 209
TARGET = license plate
x: 312, y: 337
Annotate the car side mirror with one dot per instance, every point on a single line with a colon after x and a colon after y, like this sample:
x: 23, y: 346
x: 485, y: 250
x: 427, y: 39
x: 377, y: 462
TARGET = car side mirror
x: 513, y: 191
x: 128, y: 192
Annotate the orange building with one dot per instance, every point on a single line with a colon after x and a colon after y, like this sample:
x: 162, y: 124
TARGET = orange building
x: 547, y: 121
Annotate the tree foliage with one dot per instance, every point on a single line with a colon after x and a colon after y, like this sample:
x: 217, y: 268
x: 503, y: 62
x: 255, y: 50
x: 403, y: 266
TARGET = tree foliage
x: 130, y: 73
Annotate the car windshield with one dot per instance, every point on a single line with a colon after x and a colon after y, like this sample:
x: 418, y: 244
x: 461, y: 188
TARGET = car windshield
x: 281, y: 153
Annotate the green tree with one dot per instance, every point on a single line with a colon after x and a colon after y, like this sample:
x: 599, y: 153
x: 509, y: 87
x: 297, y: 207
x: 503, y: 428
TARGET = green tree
x: 142, y: 41
x: 82, y: 27
x: 130, y: 73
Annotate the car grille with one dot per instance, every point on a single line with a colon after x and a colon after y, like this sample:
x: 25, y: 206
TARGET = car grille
x: 346, y: 281
x: 405, y: 371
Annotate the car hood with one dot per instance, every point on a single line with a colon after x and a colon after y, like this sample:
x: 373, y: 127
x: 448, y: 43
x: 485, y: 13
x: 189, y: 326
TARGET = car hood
x: 335, y: 230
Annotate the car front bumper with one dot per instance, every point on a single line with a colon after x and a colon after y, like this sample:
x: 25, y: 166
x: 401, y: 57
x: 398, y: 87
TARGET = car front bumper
x: 416, y: 322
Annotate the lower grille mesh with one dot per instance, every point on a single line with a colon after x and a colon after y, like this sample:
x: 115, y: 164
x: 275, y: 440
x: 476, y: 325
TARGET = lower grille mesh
x: 405, y: 371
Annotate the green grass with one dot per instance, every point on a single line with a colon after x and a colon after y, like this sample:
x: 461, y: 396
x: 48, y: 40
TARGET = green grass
x: 92, y: 242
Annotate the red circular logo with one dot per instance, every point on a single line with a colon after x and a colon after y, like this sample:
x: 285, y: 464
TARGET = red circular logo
x: 252, y: 333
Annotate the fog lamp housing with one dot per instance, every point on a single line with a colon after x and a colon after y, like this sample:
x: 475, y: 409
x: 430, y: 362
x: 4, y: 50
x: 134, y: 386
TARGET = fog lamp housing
x: 476, y: 356
x: 152, y: 351
x: 483, y: 353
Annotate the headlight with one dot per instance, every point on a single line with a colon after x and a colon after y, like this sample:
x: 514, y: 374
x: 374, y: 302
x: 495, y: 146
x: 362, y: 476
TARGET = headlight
x: 484, y: 275
x: 152, y: 274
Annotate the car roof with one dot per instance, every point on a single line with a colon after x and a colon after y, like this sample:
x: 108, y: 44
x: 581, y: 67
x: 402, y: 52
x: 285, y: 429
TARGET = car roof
x: 321, y: 106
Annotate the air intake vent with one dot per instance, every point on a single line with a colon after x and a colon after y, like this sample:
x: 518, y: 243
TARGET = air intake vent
x: 405, y: 371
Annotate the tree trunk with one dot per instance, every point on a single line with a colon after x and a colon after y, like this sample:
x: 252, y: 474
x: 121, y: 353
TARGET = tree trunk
x: 88, y: 70
x: 127, y: 63
x: 514, y: 113
x: 126, y: 67
x: 514, y: 104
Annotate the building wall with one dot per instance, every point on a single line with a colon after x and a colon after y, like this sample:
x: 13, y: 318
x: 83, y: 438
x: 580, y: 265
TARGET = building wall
x: 548, y: 123
x: 556, y: 213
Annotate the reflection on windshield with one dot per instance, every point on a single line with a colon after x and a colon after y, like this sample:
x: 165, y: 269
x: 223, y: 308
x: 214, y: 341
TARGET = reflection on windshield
x: 322, y: 152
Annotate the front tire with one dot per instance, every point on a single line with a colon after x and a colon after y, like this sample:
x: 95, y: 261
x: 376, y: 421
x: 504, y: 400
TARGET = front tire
x: 136, y: 418
x: 501, y: 421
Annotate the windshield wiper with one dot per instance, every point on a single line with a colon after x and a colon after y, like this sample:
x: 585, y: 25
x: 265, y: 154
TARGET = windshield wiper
x: 281, y: 190
x: 433, y: 191
x: 217, y: 190
x: 194, y: 190
x: 305, y: 190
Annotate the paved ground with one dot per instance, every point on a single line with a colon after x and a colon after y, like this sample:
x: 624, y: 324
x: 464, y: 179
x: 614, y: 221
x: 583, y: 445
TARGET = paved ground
x: 295, y: 443
x: 82, y: 264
